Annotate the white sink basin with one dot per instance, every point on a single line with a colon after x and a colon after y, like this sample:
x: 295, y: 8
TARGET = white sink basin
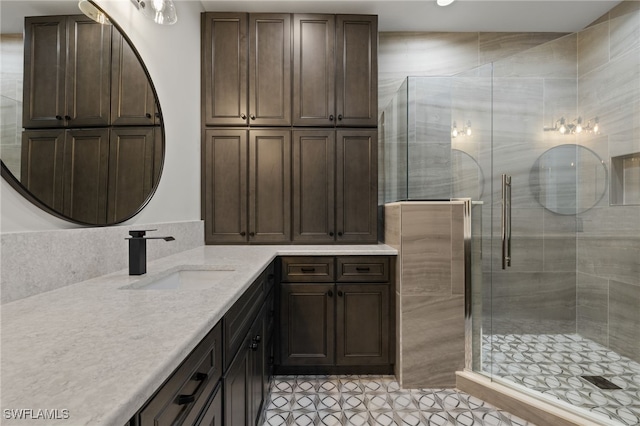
x: 183, y: 280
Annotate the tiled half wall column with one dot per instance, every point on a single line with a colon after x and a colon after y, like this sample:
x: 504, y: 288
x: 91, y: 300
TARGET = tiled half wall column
x: 429, y: 237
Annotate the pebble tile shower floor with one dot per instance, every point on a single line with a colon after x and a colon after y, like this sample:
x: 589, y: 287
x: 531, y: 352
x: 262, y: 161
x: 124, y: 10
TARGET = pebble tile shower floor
x: 553, y: 363
x: 374, y: 400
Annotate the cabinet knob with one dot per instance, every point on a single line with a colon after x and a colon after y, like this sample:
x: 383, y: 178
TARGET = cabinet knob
x: 67, y: 117
x: 330, y: 293
x: 148, y: 115
x: 253, y: 117
x: 157, y: 115
x: 253, y: 346
x: 340, y: 293
x: 243, y: 233
x: 58, y: 117
x: 331, y: 234
x: 339, y: 116
x: 252, y: 234
x: 339, y: 234
x: 243, y: 116
x: 257, y: 338
x: 331, y: 117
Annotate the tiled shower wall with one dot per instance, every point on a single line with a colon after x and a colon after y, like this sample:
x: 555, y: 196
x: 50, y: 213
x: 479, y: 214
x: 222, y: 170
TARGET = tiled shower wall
x: 608, y: 248
x: 11, y: 47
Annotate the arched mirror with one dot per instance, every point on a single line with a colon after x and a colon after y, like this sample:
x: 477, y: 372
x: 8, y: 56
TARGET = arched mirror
x: 468, y: 178
x: 568, y: 179
x: 82, y: 134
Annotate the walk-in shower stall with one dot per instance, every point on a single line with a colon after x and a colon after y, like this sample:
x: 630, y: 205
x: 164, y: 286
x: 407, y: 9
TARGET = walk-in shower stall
x: 546, y: 144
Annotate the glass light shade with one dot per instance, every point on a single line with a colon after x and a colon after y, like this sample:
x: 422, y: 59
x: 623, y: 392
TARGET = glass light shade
x: 444, y: 2
x: 161, y: 12
x: 93, y: 12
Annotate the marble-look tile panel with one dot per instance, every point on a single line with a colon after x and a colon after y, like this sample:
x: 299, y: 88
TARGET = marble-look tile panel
x: 559, y: 254
x: 626, y: 6
x: 35, y: 262
x: 624, y: 33
x: 429, y: 114
x: 429, y: 174
x: 558, y: 225
x: 533, y: 302
x: 392, y: 226
x: 610, y: 221
x: 613, y: 258
x: 433, y: 340
x: 626, y: 142
x: 593, y: 48
x: 592, y: 307
x: 624, y: 319
x: 556, y: 58
x: 560, y: 101
x: 426, y: 249
x: 496, y: 46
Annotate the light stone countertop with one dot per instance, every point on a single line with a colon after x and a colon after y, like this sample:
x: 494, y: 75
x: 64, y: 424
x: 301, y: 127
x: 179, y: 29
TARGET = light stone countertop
x: 100, y: 351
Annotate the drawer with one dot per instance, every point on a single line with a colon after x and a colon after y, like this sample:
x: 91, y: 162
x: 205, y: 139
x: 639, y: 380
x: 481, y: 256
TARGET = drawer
x: 239, y: 318
x: 187, y: 390
x: 363, y: 269
x: 308, y: 269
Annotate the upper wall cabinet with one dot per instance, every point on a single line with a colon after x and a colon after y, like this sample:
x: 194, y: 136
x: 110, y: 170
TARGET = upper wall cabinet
x: 247, y: 69
x: 335, y: 73
x: 67, y: 75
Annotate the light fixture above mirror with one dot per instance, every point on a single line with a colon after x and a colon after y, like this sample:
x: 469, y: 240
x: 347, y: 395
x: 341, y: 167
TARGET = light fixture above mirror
x: 93, y: 12
x: 161, y: 12
x: 444, y: 2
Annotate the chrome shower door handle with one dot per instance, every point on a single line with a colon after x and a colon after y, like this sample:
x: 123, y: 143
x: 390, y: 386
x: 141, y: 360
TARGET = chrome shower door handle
x: 506, y: 221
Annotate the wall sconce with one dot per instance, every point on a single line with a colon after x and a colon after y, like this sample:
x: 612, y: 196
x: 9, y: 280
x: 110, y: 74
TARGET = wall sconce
x: 161, y: 12
x: 465, y: 131
x: 90, y: 9
x: 574, y: 127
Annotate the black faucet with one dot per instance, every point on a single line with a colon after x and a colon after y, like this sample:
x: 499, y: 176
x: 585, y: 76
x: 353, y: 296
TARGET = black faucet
x: 138, y: 250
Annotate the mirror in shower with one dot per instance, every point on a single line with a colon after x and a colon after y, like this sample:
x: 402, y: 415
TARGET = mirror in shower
x: 568, y: 179
x: 468, y: 178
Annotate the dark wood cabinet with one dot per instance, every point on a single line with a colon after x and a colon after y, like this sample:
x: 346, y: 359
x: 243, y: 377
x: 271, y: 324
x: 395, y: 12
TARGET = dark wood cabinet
x: 304, y: 185
x: 314, y: 185
x: 362, y: 324
x: 335, y: 77
x: 212, y: 415
x: 330, y: 327
x: 314, y: 70
x: 269, y: 186
x: 134, y: 168
x: 246, y: 69
x: 132, y: 98
x: 236, y: 389
x: 357, y: 70
x: 67, y: 75
x: 93, y: 175
x: 357, y: 186
x: 247, y: 186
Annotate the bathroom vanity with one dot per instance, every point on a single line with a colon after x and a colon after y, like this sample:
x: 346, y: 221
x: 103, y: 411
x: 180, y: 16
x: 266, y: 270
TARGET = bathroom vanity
x: 116, y: 349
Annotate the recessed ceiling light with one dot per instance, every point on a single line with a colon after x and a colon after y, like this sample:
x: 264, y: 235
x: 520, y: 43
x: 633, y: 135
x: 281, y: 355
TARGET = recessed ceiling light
x: 444, y: 2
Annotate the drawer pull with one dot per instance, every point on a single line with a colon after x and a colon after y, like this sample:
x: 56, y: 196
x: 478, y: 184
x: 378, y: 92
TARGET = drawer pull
x: 257, y: 338
x: 188, y: 399
x: 253, y: 346
x: 363, y: 269
x: 330, y: 293
x: 305, y: 270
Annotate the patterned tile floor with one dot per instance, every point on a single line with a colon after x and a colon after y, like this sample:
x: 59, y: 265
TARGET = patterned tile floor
x: 374, y: 400
x: 553, y: 363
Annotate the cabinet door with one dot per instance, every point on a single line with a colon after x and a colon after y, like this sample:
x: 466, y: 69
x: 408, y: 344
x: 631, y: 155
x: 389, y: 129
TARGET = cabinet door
x: 357, y: 70
x: 45, y: 48
x: 307, y: 324
x: 314, y: 185
x: 132, y: 168
x: 269, y: 186
x: 256, y: 368
x: 224, y: 174
x: 88, y: 76
x: 236, y: 390
x: 212, y: 415
x: 313, y: 70
x: 224, y: 67
x: 356, y: 185
x: 362, y: 324
x: 41, y: 169
x: 86, y: 171
x: 270, y: 69
x: 132, y: 99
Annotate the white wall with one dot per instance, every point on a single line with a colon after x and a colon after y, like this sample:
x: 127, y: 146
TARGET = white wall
x: 172, y: 56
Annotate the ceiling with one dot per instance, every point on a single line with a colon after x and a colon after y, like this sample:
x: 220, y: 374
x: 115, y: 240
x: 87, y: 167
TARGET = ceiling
x: 393, y: 15
x: 461, y: 16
